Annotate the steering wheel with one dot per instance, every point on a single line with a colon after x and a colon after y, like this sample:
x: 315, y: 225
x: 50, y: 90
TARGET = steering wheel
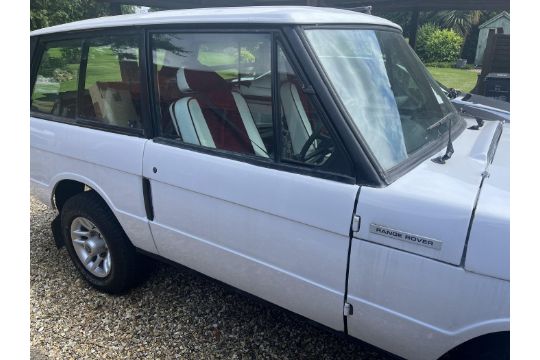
x: 324, y: 147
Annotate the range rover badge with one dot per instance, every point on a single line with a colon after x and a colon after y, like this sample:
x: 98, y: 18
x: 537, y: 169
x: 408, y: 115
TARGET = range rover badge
x: 400, y: 235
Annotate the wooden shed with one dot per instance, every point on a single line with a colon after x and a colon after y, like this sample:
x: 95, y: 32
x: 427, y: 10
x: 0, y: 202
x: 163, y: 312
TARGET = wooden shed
x: 499, y: 24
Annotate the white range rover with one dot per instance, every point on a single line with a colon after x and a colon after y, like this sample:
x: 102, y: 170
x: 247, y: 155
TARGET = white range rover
x: 303, y: 155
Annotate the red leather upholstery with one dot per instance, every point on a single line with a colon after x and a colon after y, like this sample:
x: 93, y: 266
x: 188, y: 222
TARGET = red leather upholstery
x: 214, y: 96
x: 168, y: 93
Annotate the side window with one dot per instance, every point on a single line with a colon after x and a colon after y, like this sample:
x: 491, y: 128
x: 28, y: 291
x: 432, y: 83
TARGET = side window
x: 305, y: 138
x: 55, y: 88
x: 112, y: 89
x: 214, y: 90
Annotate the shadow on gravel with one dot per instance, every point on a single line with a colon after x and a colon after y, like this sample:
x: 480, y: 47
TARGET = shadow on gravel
x: 174, y: 314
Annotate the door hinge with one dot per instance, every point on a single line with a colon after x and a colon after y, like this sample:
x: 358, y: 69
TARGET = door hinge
x: 355, y: 226
x: 347, y: 309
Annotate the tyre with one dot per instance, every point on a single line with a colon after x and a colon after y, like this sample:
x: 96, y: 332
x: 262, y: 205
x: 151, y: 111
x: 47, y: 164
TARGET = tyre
x: 490, y: 347
x: 98, y: 246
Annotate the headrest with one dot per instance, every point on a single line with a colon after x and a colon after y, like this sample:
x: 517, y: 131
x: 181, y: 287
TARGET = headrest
x: 190, y: 80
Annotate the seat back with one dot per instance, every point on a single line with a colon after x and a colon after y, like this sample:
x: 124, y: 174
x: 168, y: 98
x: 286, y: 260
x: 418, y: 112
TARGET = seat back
x: 210, y: 114
x: 113, y: 103
x: 295, y: 115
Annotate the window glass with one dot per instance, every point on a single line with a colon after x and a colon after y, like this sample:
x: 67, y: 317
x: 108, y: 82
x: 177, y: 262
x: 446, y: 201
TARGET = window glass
x: 305, y: 138
x: 214, y: 90
x: 388, y: 93
x: 112, y: 88
x: 55, y: 89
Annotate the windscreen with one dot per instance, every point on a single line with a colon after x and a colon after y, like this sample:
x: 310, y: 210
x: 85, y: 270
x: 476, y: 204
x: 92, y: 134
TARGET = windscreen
x: 386, y: 90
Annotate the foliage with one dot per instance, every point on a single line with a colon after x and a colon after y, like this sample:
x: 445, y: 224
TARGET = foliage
x: 458, y: 20
x: 438, y: 45
x: 446, y: 65
x: 247, y: 56
x: 424, y: 33
x: 464, y: 23
x: 44, y: 13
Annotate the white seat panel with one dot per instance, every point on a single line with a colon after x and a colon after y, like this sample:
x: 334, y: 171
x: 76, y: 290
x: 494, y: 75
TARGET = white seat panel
x: 190, y: 123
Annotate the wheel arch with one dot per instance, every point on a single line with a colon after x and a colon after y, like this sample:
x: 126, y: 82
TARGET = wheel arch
x: 70, y: 184
x: 472, y: 334
x: 494, y: 340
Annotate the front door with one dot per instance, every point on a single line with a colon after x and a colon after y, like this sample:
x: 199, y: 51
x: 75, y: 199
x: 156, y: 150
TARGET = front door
x: 224, y: 203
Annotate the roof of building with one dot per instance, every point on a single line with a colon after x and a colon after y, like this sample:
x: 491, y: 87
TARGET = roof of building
x: 227, y: 15
x: 495, y: 18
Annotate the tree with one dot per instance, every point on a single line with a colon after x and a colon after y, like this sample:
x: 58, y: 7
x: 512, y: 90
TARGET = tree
x: 458, y: 20
x: 44, y: 13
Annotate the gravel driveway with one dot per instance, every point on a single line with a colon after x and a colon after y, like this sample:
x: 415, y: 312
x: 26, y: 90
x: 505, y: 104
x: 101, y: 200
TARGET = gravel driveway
x: 174, y: 314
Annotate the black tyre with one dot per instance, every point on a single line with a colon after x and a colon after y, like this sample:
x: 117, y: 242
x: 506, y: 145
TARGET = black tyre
x: 98, y: 246
x: 490, y: 347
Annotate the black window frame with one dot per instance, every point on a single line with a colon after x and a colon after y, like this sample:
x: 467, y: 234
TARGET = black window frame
x: 84, y: 36
x: 274, y: 162
x: 33, y: 46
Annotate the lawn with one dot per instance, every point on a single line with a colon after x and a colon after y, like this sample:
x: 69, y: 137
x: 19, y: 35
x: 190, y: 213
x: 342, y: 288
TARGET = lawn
x: 459, y: 79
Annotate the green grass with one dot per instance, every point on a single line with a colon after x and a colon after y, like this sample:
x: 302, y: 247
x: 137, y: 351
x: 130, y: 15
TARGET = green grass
x: 459, y: 79
x: 103, y: 66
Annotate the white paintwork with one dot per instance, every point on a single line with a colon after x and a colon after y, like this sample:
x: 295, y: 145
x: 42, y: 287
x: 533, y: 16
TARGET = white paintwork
x: 489, y: 242
x: 487, y: 112
x: 228, y: 15
x: 422, y: 306
x: 111, y: 164
x: 285, y: 237
x: 433, y: 201
x: 281, y: 236
x: 419, y: 308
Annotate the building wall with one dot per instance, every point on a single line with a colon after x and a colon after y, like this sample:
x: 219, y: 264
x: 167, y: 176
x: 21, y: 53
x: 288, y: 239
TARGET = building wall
x: 483, y: 36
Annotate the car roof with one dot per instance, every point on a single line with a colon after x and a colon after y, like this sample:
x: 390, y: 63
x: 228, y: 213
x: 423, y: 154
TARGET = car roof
x: 228, y: 15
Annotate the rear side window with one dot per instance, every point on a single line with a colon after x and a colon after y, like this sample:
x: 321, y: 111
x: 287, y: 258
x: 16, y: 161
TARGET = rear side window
x: 55, y: 89
x: 112, y: 89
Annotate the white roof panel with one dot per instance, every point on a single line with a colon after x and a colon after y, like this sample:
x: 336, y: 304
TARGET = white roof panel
x: 227, y: 15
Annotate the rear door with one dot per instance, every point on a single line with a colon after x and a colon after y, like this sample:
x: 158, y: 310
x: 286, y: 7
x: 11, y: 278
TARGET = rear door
x: 87, y: 121
x: 268, y: 214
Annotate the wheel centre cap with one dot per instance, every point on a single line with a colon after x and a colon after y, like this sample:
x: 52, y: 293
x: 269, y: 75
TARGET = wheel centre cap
x: 95, y: 246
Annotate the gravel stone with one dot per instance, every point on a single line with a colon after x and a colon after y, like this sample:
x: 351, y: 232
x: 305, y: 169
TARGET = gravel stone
x: 174, y: 314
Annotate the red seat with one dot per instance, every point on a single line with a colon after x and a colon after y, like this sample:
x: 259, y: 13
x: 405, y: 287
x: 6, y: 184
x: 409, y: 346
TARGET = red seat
x: 211, y: 114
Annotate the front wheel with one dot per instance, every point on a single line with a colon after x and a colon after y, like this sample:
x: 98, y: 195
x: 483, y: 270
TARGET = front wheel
x: 98, y: 246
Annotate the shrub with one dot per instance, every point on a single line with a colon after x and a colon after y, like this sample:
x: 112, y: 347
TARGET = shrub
x: 424, y: 33
x: 443, y: 46
x: 447, y: 65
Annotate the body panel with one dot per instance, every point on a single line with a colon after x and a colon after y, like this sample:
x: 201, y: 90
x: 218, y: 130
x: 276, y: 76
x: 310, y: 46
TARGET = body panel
x: 281, y: 236
x: 111, y: 164
x: 432, y: 201
x: 475, y: 105
x: 404, y: 294
x: 227, y: 15
x: 439, y: 306
x: 489, y: 242
x: 483, y: 107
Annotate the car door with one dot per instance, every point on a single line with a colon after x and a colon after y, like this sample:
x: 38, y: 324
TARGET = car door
x: 233, y: 210
x: 87, y: 121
